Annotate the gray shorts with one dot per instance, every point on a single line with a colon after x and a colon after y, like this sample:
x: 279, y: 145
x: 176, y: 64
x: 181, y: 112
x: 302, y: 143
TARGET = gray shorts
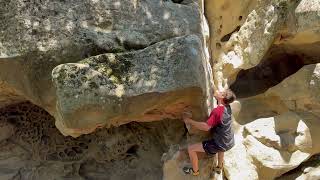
x: 210, y: 147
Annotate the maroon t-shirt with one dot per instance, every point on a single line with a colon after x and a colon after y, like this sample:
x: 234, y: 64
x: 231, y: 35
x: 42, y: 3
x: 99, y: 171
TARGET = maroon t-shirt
x: 220, y: 122
x: 215, y: 116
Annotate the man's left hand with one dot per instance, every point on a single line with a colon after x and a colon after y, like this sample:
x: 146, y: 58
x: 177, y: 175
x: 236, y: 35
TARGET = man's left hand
x: 187, y: 120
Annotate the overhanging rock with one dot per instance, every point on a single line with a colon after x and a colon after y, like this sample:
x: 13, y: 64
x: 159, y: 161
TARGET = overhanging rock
x: 155, y: 83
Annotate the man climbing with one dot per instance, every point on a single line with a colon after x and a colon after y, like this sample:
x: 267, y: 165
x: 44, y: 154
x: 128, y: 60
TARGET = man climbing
x: 219, y: 122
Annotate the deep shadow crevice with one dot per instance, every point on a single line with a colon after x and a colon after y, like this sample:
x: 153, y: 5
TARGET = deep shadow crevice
x: 226, y: 37
x: 279, y: 63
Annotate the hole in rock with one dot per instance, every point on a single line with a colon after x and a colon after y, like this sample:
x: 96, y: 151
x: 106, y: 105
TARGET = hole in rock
x: 133, y: 150
x: 226, y: 38
x: 218, y: 45
x: 177, y: 1
x: 279, y: 62
x: 95, y: 50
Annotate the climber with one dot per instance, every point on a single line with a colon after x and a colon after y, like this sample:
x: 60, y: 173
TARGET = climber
x: 219, y: 122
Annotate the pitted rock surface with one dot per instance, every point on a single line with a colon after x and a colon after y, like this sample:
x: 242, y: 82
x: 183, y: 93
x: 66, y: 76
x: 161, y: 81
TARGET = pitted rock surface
x: 35, y: 141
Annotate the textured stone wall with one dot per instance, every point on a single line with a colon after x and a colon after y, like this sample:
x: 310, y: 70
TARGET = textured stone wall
x: 268, y: 53
x: 123, y: 52
x: 32, y: 148
x: 101, y: 70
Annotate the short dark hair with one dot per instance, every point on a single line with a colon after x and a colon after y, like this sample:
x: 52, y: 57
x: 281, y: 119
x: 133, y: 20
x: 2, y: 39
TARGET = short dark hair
x: 228, y: 96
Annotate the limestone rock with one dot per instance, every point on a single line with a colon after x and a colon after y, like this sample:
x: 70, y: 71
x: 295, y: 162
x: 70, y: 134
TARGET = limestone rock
x: 9, y: 95
x: 108, y: 89
x: 110, y: 25
x: 6, y: 130
x: 239, y: 164
x: 297, y: 89
x: 37, y: 150
x: 35, y: 37
x: 278, y: 144
x: 225, y: 18
x: 301, y: 91
x: 272, y: 146
x: 104, y: 63
x: 308, y: 170
x: 262, y: 22
x: 303, y: 24
x: 307, y: 14
x: 259, y: 106
x: 254, y: 26
x: 175, y: 160
x: 243, y: 48
x: 284, y: 134
x: 310, y: 174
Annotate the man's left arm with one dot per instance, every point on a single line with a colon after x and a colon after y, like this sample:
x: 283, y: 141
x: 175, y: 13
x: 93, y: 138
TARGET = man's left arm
x: 199, y: 125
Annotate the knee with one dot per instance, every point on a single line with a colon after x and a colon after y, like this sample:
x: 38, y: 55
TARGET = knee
x: 191, y: 149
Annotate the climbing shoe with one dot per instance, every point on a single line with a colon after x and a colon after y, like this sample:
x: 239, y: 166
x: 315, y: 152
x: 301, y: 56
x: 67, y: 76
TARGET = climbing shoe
x: 217, y: 169
x: 189, y: 170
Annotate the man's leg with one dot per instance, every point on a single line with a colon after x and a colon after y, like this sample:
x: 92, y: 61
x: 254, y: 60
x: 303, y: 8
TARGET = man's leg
x: 220, y: 159
x: 192, y: 150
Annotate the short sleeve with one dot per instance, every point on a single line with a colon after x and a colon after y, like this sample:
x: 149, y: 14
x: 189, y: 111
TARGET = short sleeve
x: 215, y: 116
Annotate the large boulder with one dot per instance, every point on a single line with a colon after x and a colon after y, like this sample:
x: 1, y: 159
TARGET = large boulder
x: 272, y: 146
x: 260, y: 106
x: 242, y: 47
x: 175, y: 160
x: 242, y: 38
x: 310, y: 173
x: 225, y: 18
x: 38, y: 36
x: 279, y: 128
x: 300, y: 91
x: 6, y: 130
x: 305, y: 23
x: 111, y: 26
x: 238, y: 163
x: 155, y: 83
x: 35, y: 149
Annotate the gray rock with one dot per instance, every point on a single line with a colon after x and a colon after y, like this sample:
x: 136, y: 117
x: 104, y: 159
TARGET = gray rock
x: 308, y: 16
x: 36, y: 36
x: 6, y: 130
x: 111, y: 89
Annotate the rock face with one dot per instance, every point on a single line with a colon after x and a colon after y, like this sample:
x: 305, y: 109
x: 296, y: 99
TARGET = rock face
x: 102, y: 70
x: 37, y: 150
x: 276, y: 144
x: 273, y: 21
x: 92, y: 64
x: 308, y: 22
x: 300, y: 92
x: 125, y: 52
x: 267, y: 52
x: 175, y: 160
x: 238, y: 49
x: 108, y: 89
x: 272, y: 146
x: 306, y: 171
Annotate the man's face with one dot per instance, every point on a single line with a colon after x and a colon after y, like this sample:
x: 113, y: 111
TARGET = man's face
x: 218, y: 95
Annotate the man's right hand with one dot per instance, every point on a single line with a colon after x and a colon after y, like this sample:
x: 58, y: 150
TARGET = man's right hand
x: 186, y: 114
